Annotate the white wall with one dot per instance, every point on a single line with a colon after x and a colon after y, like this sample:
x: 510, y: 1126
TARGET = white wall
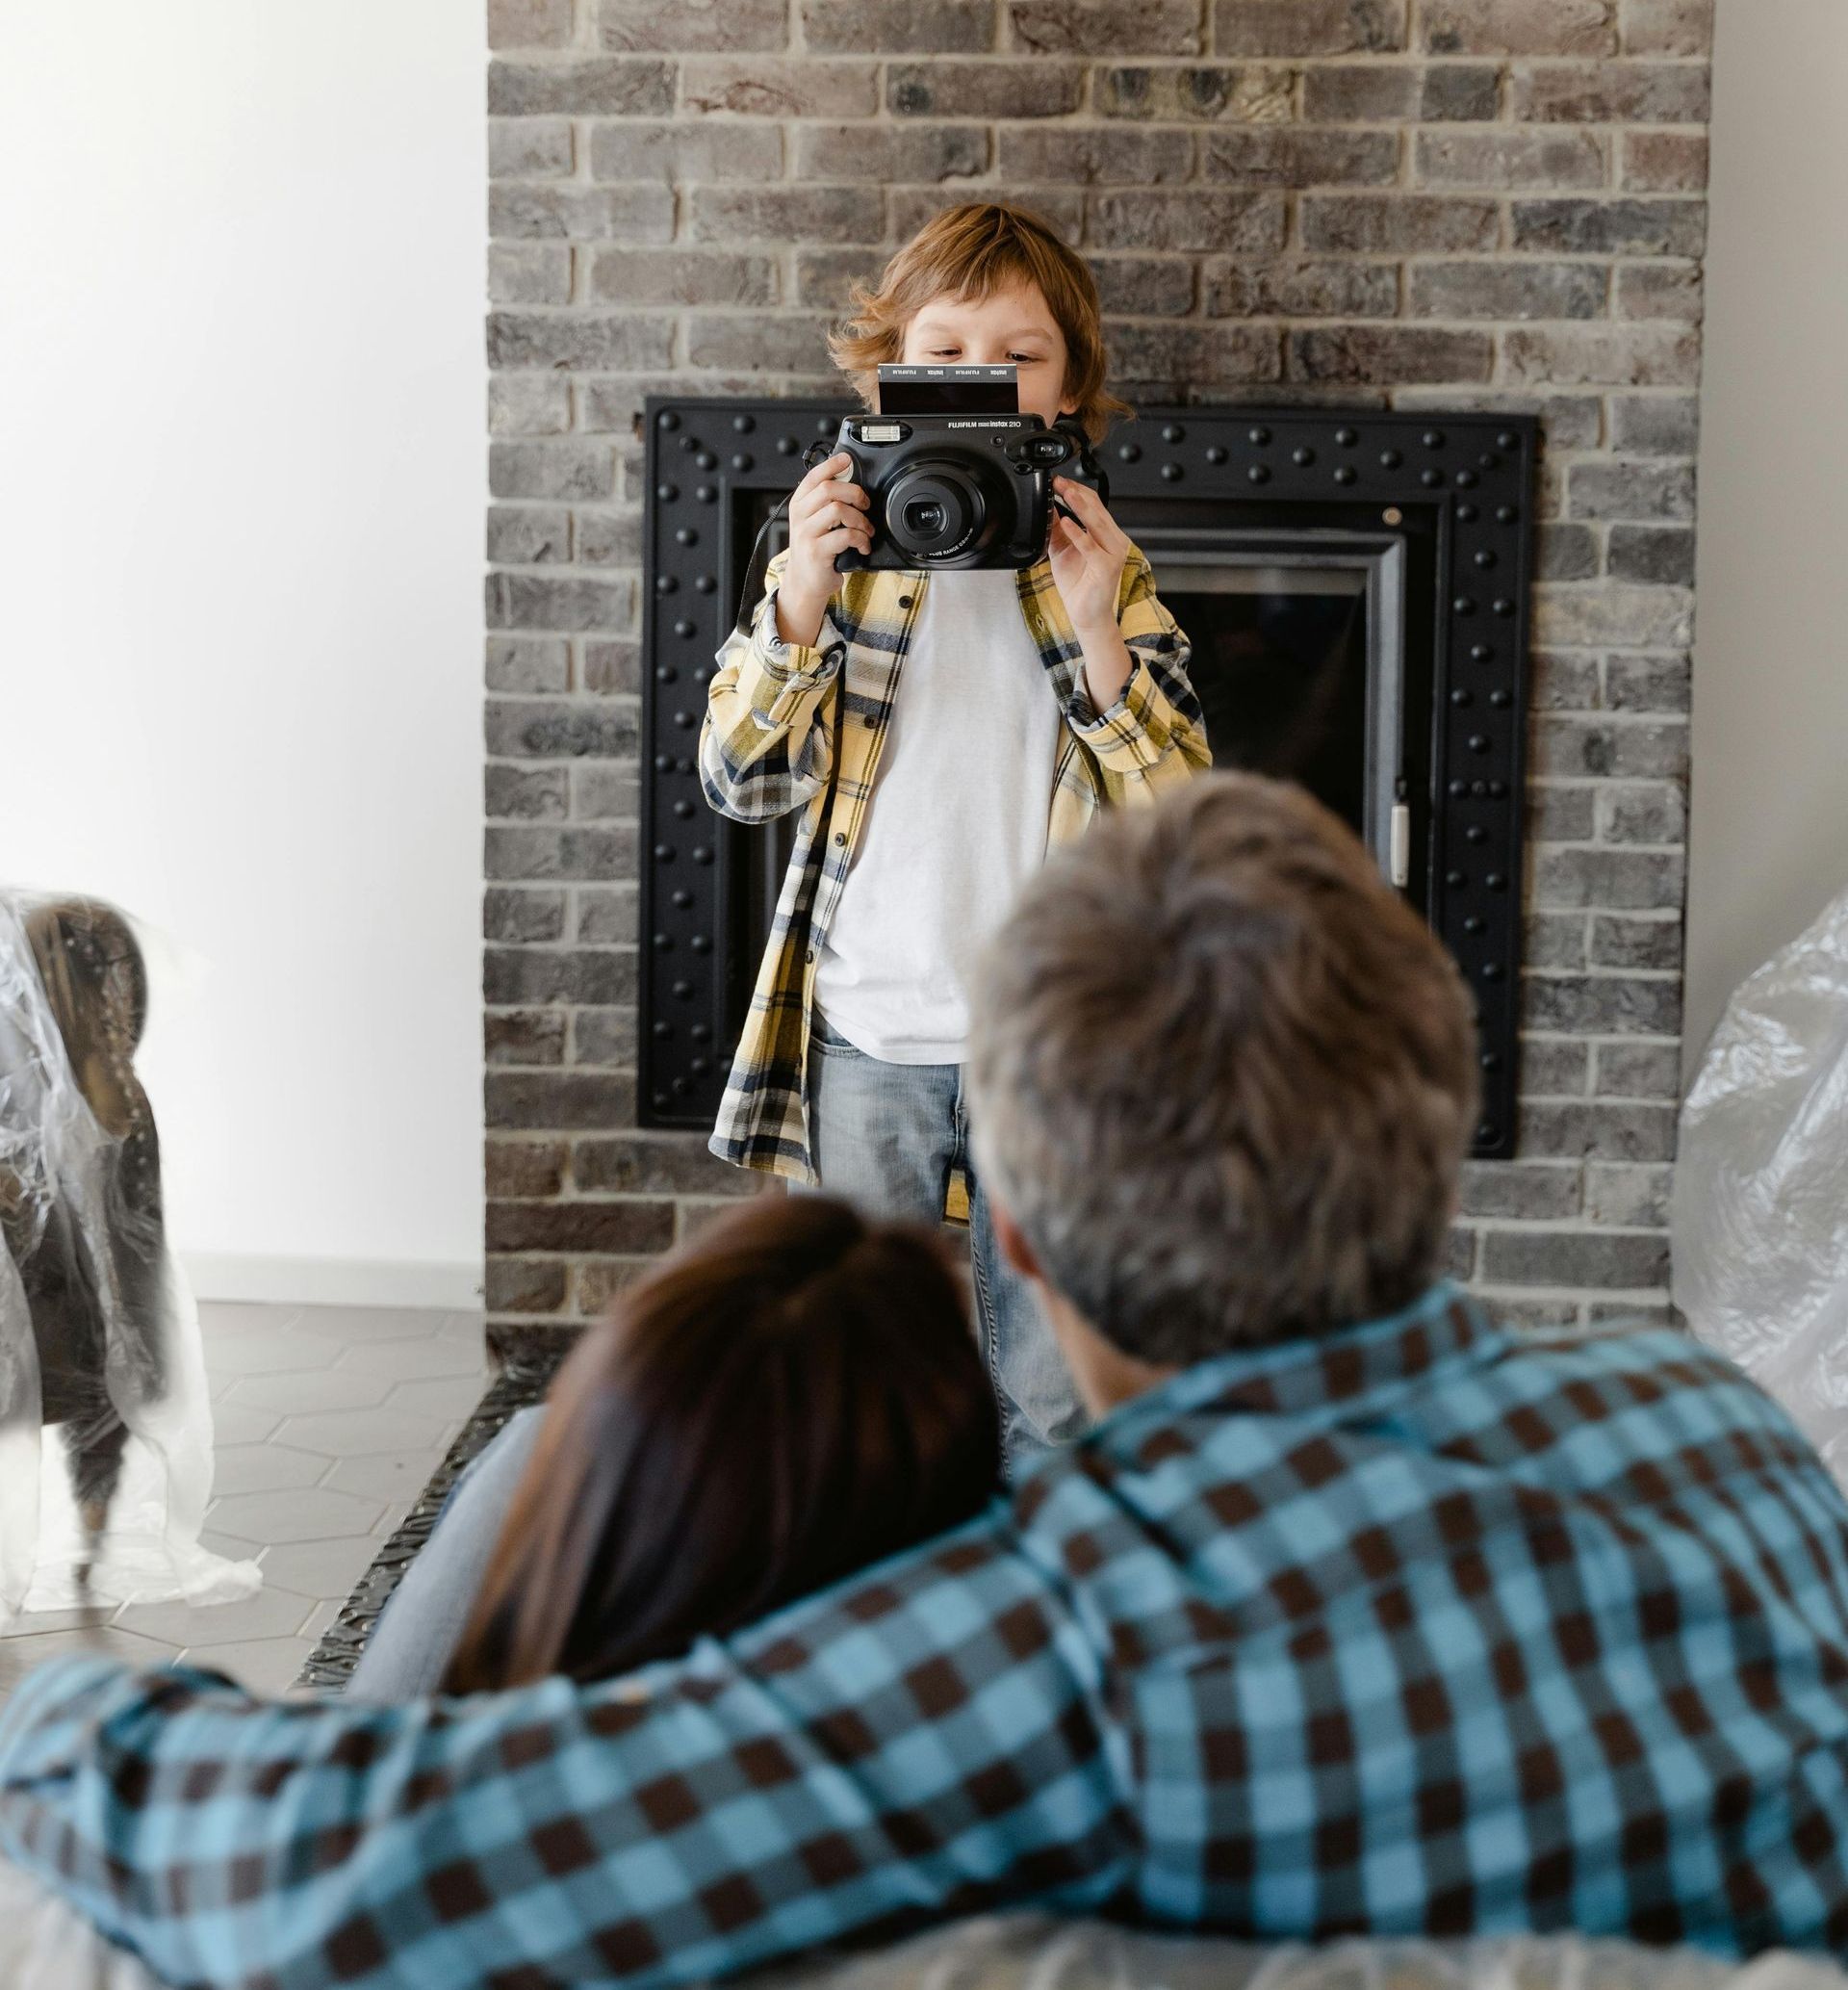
x: 1769, y: 828
x: 241, y: 501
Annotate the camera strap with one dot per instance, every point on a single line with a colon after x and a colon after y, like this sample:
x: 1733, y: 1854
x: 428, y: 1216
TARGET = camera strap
x: 758, y: 563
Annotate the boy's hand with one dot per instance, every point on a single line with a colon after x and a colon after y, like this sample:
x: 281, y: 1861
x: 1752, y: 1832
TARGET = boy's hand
x: 827, y: 515
x: 1087, y: 558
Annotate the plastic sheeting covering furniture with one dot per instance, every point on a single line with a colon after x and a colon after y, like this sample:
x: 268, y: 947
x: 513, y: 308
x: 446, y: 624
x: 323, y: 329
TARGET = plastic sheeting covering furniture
x: 1760, y: 1212
x: 105, y: 1425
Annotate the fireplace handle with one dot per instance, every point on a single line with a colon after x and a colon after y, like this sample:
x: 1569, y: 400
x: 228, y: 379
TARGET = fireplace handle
x: 1400, y: 846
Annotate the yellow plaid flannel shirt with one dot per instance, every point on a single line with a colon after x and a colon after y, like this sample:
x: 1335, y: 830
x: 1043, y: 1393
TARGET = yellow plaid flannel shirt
x: 792, y: 727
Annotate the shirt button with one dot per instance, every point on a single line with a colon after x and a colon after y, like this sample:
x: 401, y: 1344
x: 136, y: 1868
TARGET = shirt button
x: 904, y: 601
x: 840, y: 839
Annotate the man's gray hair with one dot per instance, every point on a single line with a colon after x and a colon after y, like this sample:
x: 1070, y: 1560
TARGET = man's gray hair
x: 1223, y: 1076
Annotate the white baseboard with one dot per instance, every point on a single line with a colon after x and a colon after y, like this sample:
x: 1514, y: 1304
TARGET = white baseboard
x: 333, y: 1281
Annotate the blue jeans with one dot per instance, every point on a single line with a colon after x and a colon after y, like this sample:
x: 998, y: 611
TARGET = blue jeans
x: 886, y: 1137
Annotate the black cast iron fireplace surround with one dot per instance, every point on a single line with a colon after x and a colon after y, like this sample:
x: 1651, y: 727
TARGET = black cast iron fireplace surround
x: 1431, y: 514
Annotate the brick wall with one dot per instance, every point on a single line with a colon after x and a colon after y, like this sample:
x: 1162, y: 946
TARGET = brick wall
x: 1402, y: 202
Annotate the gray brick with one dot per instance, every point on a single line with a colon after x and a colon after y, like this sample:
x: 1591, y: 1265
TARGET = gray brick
x: 1559, y: 814
x: 1512, y: 159
x: 528, y: 404
x: 1230, y: 222
x: 1388, y: 355
x: 1668, y: 27
x: 1603, y: 1005
x: 587, y: 1225
x: 1647, y: 684
x: 540, y: 856
x: 1638, y: 1071
x: 609, y: 538
x: 1194, y: 353
x: 612, y: 403
x: 558, y: 975
x: 1633, y: 749
x: 1619, y: 92
x: 1630, y: 1198
x: 686, y: 151
x: 562, y: 729
x: 761, y: 86
x: 604, y: 791
x: 602, y: 1037
x: 1542, y: 1318
x: 1656, y: 425
x: 529, y: 23
x: 1630, y: 356
x: 1094, y: 154
x: 1236, y: 287
x: 1460, y: 1256
x: 607, y: 916
x: 662, y: 1164
x: 562, y: 601
x: 1567, y: 875
x: 578, y: 340
x: 888, y: 152
x: 1567, y: 553
x: 1635, y: 1315
x: 552, y: 470
x: 522, y: 209
x: 1610, y: 227
x: 1531, y: 1189
x: 1400, y: 93
x: 529, y: 535
x: 1652, y: 553
x: 1552, y: 939
x: 683, y: 276
x: 1196, y: 92
x: 525, y: 1167
x: 1520, y: 27
x: 1287, y: 156
x: 1554, y: 1067
x: 1046, y: 86
x: 1506, y: 290
x: 1630, y: 617
x: 1672, y: 291
x: 1654, y: 811
x: 524, y: 1285
x: 787, y: 213
x: 1399, y: 224
x: 599, y: 1283
x: 559, y: 1100
x: 642, y: 24
x: 824, y: 275
x: 612, y: 667
x: 909, y: 208
x: 513, y: 916
x: 1308, y: 27
x: 1558, y: 682
x: 898, y: 27
x: 1599, y: 1131
x: 779, y: 342
x: 606, y: 87
x: 1144, y: 286
x: 1104, y: 27
x: 1642, y: 944
x: 529, y: 148
x: 528, y: 663
x: 528, y: 272
x: 1630, y: 490
x: 1664, y: 162
x: 523, y: 1036
x: 1575, y: 1258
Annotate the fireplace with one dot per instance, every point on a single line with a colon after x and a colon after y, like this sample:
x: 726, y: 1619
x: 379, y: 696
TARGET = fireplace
x: 1356, y: 590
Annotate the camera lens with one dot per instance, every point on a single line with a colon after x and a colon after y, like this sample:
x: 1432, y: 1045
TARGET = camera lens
x: 935, y: 509
x: 924, y: 518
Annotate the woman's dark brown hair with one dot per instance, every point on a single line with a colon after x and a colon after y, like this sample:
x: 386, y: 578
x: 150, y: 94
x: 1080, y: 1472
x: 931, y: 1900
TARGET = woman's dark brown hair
x: 792, y: 1397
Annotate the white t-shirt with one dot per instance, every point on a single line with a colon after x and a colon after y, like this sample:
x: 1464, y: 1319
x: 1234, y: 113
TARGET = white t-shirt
x: 955, y: 824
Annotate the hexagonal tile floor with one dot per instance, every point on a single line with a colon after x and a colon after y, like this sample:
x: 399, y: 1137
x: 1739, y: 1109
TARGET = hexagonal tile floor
x: 330, y: 1422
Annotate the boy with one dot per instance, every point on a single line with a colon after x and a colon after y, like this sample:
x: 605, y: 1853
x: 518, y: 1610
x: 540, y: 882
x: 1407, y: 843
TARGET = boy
x: 938, y: 732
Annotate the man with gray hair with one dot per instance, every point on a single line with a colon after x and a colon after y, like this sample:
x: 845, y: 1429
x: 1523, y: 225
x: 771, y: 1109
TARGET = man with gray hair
x: 1352, y: 1614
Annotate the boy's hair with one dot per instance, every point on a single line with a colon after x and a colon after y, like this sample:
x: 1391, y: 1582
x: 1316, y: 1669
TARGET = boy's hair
x: 1222, y: 1075
x: 971, y: 252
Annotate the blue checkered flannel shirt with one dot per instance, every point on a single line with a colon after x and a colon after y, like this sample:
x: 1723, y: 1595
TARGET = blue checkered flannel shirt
x: 1421, y: 1627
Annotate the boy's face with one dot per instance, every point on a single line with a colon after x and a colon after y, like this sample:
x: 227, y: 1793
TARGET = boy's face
x: 1014, y: 325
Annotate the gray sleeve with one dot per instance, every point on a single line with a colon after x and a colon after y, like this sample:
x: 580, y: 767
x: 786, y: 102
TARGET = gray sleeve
x: 422, y: 1623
